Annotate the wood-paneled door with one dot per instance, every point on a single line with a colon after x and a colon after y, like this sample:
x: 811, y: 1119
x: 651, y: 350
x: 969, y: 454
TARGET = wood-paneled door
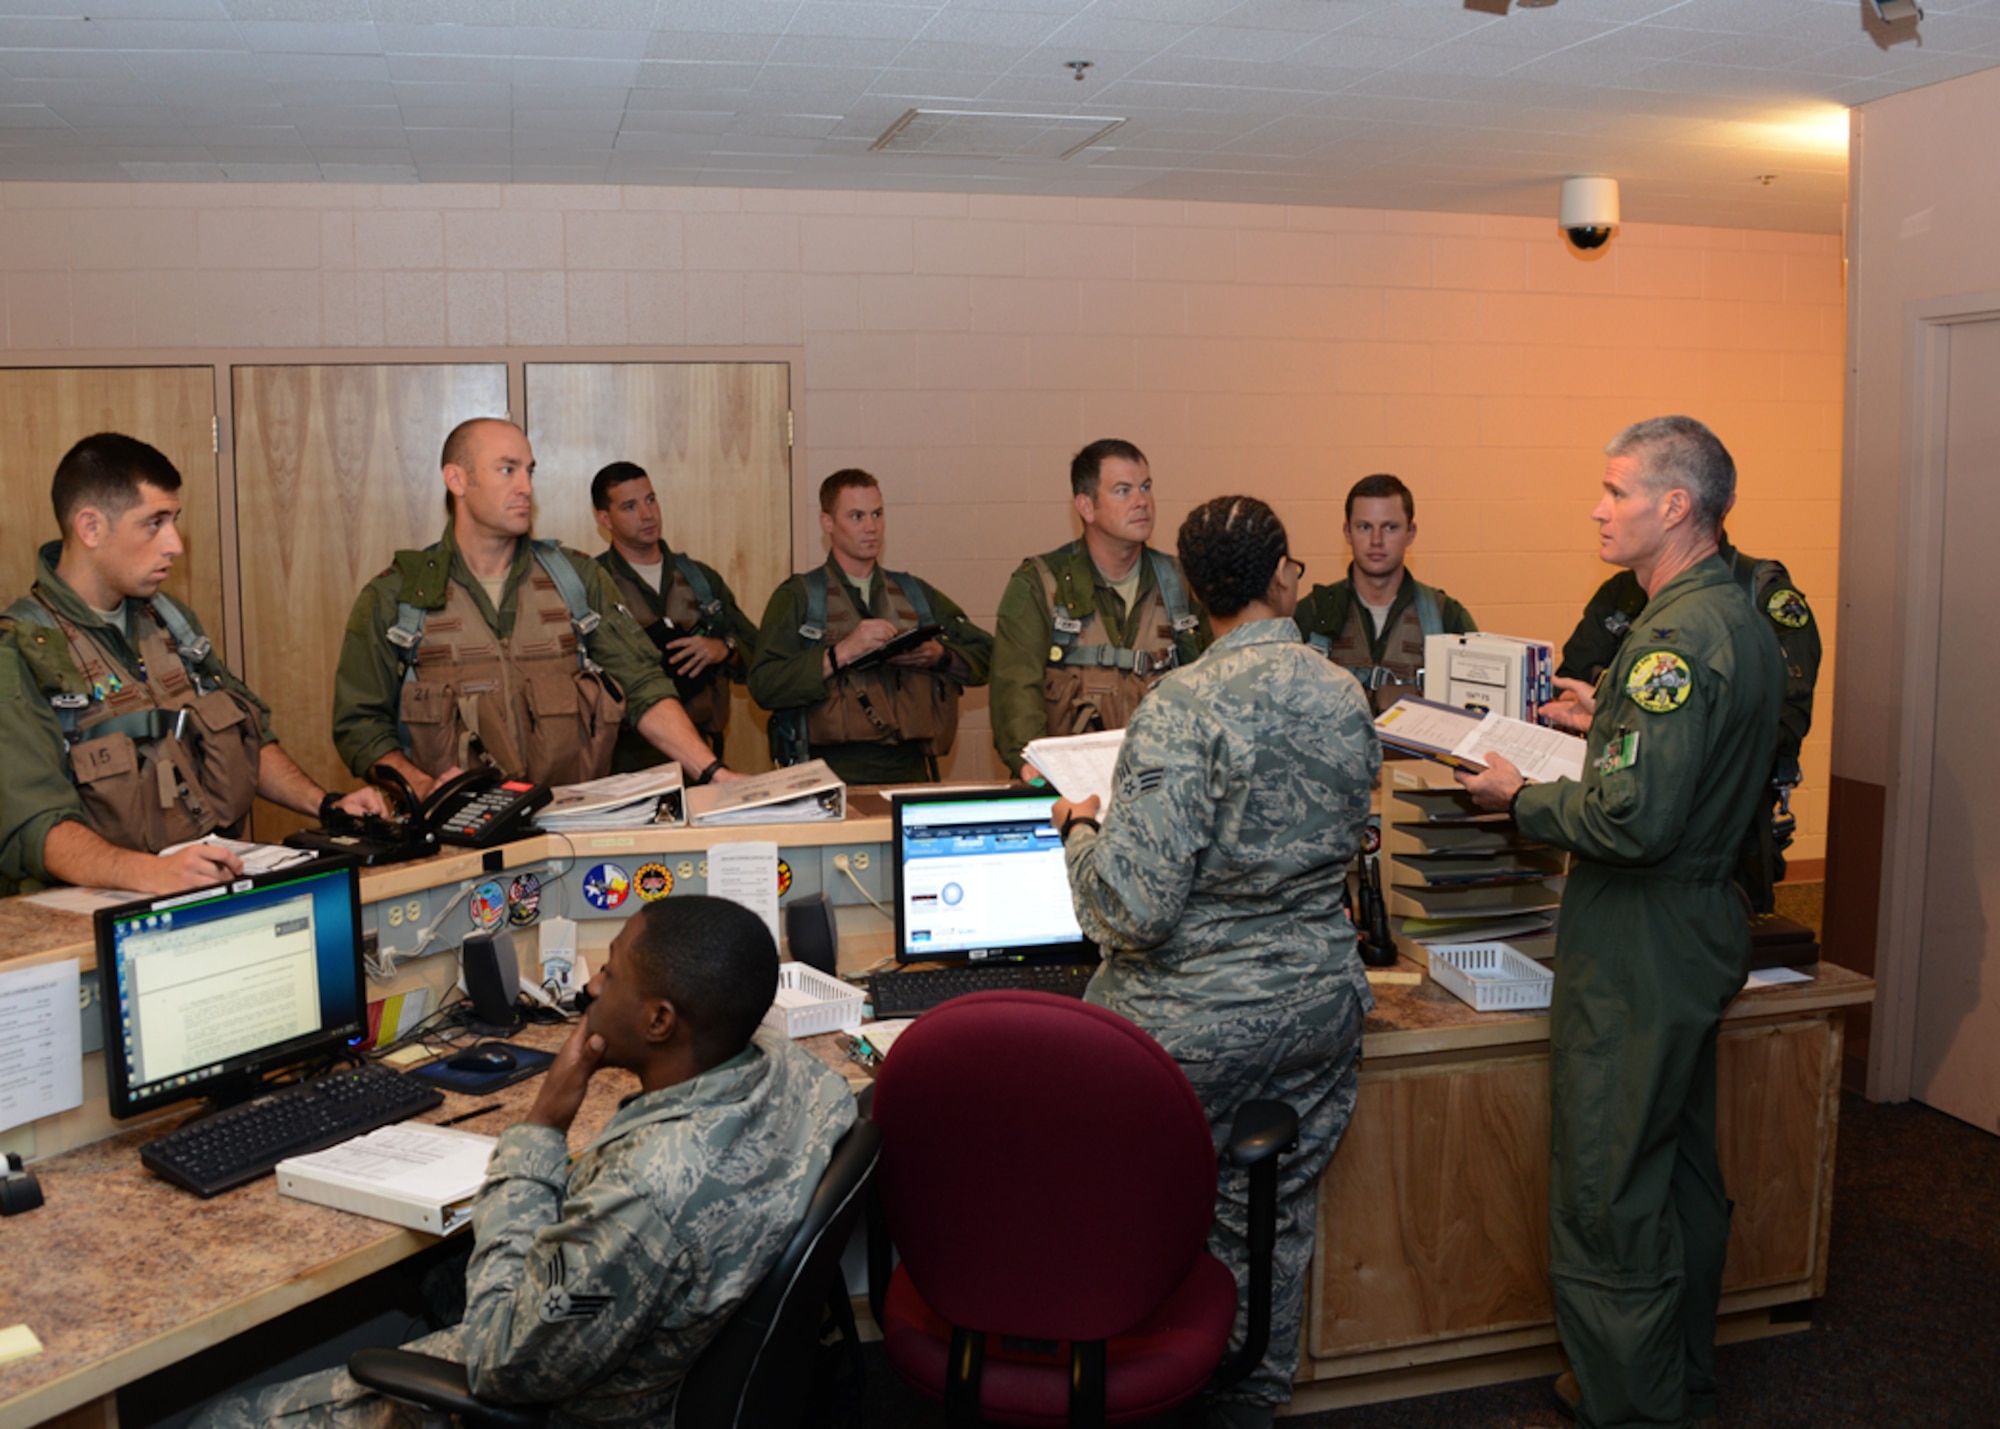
x: 714, y: 437
x: 47, y: 410
x: 336, y: 470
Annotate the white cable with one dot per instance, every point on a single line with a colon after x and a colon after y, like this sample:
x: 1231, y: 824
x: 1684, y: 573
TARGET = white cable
x: 841, y: 864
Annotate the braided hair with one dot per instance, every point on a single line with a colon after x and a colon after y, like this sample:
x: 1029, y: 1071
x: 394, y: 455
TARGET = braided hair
x: 1230, y: 548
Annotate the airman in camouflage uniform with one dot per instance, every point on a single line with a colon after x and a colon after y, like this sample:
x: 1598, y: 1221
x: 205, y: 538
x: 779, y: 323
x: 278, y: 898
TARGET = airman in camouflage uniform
x: 594, y: 1283
x: 1214, y: 888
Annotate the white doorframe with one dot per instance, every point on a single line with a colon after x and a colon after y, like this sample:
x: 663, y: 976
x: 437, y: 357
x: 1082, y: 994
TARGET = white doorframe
x: 1919, y: 587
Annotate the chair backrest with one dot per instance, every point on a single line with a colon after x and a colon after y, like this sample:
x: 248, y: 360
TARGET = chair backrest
x: 1047, y: 1171
x: 759, y: 1370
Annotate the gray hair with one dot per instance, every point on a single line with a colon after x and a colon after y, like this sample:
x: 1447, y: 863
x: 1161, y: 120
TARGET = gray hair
x: 1681, y: 452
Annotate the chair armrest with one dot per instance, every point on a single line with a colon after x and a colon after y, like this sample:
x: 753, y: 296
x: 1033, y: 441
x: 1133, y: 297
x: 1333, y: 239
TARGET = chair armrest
x: 438, y: 1384
x: 1261, y: 1131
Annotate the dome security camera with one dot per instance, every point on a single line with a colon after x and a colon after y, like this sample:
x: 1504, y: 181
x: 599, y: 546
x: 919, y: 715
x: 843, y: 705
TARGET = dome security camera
x: 1589, y: 211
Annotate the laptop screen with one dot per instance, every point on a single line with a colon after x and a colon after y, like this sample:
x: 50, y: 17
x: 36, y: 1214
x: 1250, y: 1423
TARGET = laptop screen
x: 980, y: 877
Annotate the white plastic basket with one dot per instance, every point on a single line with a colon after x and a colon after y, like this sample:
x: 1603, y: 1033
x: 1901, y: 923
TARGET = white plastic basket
x: 1491, y: 977
x: 819, y: 1003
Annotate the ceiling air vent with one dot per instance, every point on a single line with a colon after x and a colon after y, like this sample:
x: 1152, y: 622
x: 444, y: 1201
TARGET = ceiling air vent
x: 971, y: 134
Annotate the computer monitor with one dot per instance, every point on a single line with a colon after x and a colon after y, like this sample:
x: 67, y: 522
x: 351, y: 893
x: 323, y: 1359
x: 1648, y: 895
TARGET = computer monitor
x: 205, y: 993
x: 980, y: 878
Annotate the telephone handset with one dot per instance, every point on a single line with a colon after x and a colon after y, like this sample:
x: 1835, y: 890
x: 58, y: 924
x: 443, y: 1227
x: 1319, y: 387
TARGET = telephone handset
x: 478, y: 808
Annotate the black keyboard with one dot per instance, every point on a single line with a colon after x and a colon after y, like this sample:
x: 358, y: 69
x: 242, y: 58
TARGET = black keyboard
x: 244, y: 1142
x: 905, y: 994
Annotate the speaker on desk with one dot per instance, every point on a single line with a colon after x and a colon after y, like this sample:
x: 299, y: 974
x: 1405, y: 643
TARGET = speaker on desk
x: 810, y: 934
x: 492, y: 979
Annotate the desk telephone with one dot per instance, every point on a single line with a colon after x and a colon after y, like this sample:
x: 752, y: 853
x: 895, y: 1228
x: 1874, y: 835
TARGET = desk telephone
x: 475, y: 809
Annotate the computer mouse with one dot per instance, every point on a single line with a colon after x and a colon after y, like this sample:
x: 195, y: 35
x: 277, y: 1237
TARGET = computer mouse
x: 484, y: 1059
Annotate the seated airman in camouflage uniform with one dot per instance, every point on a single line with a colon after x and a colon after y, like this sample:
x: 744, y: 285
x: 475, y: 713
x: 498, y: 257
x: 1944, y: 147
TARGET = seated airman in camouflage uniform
x: 594, y: 1284
x: 1214, y: 887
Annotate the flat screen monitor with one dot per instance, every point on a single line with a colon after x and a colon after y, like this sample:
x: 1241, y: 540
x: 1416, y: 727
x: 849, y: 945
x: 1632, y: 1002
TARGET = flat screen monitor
x: 206, y: 993
x: 980, y: 878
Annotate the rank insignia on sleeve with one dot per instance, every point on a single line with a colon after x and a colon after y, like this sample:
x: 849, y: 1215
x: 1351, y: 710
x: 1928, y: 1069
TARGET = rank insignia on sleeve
x: 1659, y: 682
x: 1140, y: 781
x: 1788, y: 608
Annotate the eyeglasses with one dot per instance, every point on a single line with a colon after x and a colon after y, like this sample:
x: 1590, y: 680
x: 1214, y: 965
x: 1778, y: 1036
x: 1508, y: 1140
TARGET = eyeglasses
x: 1301, y: 565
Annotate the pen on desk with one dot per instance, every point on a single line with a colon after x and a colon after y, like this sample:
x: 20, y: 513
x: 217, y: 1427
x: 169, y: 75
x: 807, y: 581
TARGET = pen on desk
x: 468, y: 1116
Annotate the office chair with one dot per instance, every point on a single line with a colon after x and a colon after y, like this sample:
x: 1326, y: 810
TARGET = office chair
x: 755, y: 1374
x: 1049, y: 1177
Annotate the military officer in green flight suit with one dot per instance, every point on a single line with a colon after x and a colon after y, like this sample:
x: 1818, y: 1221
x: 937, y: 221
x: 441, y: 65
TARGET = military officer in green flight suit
x: 1652, y: 944
x: 1593, y: 645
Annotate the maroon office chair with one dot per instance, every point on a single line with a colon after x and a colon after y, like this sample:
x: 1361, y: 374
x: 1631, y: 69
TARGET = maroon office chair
x: 1049, y: 1177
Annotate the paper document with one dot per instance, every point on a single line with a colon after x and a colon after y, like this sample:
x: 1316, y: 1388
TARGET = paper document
x: 798, y: 794
x: 643, y: 798
x: 1775, y: 977
x: 1079, y: 765
x: 412, y: 1174
x: 83, y: 900
x: 255, y: 858
x: 747, y: 873
x: 41, y: 1043
x: 1467, y: 739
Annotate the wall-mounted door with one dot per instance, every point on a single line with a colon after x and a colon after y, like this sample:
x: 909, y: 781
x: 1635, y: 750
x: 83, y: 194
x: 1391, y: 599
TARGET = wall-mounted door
x: 714, y: 437
x: 336, y: 470
x: 45, y: 411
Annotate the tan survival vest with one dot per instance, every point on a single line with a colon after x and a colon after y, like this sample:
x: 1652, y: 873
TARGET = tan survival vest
x: 1401, y: 671
x: 883, y: 704
x: 1090, y: 681
x: 693, y: 609
x: 532, y: 706
x: 158, y: 757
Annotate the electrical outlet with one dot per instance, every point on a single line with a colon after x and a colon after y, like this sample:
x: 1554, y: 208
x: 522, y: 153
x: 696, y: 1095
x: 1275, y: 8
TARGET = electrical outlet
x: 861, y: 859
x: 685, y: 868
x: 413, y: 911
x: 395, y: 915
x: 840, y: 863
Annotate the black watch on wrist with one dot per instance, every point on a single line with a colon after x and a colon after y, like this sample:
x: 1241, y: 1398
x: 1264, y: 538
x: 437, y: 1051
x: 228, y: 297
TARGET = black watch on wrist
x: 326, y: 805
x: 707, y: 774
x: 1074, y: 819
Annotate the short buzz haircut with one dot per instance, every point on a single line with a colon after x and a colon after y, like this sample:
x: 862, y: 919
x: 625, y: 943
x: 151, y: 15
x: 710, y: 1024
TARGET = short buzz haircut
x: 616, y: 474
x: 1085, y: 465
x: 105, y: 471
x: 847, y: 476
x: 1679, y: 452
x: 715, y: 961
x: 458, y: 449
x: 1381, y: 484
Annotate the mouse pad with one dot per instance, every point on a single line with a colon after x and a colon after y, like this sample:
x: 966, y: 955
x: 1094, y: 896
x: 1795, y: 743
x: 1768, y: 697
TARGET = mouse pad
x: 527, y: 1063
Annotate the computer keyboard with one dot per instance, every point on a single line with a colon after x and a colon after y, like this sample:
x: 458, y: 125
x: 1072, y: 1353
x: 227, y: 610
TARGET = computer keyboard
x: 905, y: 994
x: 244, y: 1142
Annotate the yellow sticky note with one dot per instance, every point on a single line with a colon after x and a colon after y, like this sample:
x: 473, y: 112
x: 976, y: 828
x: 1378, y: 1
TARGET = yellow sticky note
x: 17, y: 1342
x: 1395, y: 977
x: 409, y: 1056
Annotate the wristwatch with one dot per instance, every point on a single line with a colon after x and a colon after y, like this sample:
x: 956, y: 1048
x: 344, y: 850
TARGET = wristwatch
x: 1074, y: 819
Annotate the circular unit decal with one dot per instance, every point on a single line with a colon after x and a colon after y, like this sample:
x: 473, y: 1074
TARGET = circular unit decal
x: 524, y: 900
x: 488, y: 906
x: 784, y: 878
x: 653, y: 881
x: 606, y: 887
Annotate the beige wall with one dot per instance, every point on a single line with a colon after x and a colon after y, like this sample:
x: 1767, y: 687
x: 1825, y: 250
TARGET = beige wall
x: 962, y: 346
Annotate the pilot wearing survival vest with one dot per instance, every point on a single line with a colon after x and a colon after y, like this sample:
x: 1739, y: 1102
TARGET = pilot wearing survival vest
x: 1374, y: 621
x: 819, y: 670
x: 1085, y: 630
x: 494, y: 648
x: 125, y: 733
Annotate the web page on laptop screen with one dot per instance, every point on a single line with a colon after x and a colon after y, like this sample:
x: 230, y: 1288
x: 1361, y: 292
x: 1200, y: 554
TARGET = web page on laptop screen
x: 983, y: 875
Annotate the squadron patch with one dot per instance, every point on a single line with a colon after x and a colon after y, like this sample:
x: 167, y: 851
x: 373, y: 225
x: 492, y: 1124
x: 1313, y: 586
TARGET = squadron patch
x: 1659, y: 682
x: 1788, y: 608
x: 1140, y: 781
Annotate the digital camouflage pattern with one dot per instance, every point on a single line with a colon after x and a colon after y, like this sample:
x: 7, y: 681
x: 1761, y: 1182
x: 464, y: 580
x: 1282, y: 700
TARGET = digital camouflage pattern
x: 1215, y: 888
x: 594, y: 1283
x: 1651, y: 947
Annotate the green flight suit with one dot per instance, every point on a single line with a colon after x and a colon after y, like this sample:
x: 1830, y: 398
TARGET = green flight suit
x: 368, y: 681
x: 787, y: 673
x: 1651, y: 947
x: 1024, y: 631
x: 1593, y: 645
x: 649, y: 606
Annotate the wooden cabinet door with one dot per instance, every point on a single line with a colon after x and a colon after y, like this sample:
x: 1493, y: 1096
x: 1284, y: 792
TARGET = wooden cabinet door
x: 714, y: 437
x: 336, y: 470
x: 47, y: 410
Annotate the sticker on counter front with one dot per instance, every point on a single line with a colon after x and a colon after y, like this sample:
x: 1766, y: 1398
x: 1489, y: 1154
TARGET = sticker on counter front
x: 654, y: 881
x: 488, y: 906
x: 784, y: 878
x: 524, y: 900
x: 606, y: 887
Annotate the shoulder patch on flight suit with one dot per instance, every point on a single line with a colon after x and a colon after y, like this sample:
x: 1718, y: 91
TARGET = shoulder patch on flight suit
x: 1788, y: 608
x: 1659, y: 682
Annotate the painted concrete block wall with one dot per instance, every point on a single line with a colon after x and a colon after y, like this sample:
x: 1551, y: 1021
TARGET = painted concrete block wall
x: 962, y: 346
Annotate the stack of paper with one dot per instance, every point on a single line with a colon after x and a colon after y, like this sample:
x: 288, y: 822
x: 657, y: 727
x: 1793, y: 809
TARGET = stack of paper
x: 646, y: 798
x: 1079, y: 765
x: 414, y: 1175
x: 1467, y: 739
x: 805, y: 793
